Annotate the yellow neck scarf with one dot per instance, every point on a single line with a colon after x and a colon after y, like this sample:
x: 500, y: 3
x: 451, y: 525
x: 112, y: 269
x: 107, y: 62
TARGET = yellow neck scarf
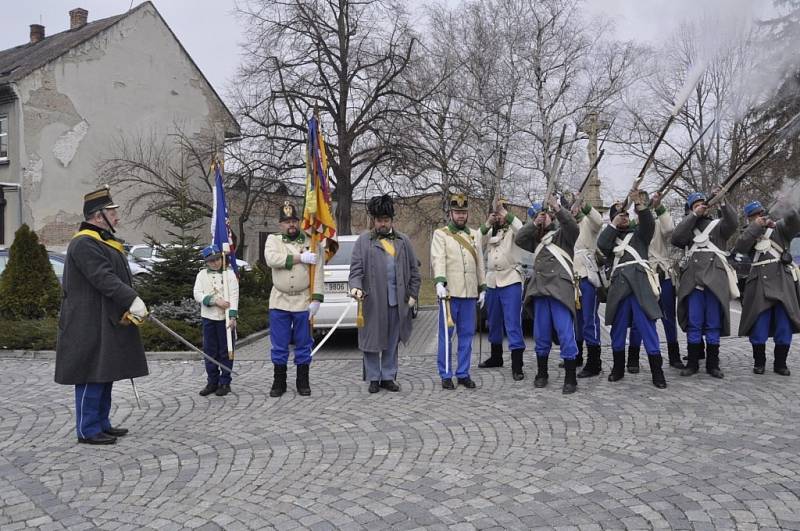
x: 92, y: 234
x: 388, y: 246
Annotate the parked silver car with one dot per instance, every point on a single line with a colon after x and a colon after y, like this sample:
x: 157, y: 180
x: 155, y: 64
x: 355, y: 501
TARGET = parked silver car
x: 337, y: 273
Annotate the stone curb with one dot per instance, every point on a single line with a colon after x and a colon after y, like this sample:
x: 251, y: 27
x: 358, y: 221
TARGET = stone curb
x: 163, y: 356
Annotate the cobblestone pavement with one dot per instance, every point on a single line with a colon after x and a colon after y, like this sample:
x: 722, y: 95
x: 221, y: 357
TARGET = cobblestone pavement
x: 702, y: 454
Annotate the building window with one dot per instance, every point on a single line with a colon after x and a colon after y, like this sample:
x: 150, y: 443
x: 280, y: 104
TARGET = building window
x: 3, y: 138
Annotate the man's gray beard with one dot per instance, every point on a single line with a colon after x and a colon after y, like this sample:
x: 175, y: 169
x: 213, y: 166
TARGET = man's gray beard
x: 383, y: 231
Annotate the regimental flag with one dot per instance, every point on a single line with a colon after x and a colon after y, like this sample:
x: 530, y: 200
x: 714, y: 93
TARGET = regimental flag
x: 318, y: 217
x: 220, y: 222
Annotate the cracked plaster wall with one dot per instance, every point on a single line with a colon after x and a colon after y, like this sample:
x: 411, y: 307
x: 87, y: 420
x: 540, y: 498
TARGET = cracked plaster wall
x: 129, y: 80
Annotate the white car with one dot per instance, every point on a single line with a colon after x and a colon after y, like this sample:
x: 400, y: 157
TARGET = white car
x: 337, y: 273
x: 337, y: 290
x: 146, y: 255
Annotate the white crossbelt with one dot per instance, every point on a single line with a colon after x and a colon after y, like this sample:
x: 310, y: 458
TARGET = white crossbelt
x: 561, y: 257
x: 702, y: 244
x: 769, y: 247
x: 624, y: 246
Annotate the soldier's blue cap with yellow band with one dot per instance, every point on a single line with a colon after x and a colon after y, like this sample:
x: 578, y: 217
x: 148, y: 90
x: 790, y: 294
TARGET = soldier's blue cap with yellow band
x: 753, y: 208
x: 210, y: 252
x: 534, y: 209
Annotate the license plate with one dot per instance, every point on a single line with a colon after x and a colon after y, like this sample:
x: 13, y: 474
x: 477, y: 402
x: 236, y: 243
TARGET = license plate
x: 336, y: 287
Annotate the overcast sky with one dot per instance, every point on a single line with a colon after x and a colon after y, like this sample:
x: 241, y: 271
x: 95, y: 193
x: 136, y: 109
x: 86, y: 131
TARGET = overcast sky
x: 211, y: 32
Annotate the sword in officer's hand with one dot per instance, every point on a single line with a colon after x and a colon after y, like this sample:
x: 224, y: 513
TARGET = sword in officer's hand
x: 334, y: 327
x: 136, y: 320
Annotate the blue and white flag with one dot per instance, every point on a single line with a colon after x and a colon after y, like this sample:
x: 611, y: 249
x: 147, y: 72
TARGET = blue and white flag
x: 220, y: 222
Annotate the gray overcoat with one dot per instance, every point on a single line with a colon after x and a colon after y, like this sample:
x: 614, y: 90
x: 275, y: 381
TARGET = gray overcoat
x: 706, y: 270
x: 633, y: 278
x: 92, y: 347
x: 549, y: 278
x: 770, y: 284
x: 368, y: 273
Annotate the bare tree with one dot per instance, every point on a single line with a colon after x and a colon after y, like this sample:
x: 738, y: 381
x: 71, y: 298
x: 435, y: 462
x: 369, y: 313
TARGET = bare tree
x: 343, y: 57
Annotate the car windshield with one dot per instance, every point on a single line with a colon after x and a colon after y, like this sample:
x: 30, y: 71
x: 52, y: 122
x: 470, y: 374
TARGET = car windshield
x: 142, y: 252
x: 58, y: 266
x: 342, y: 256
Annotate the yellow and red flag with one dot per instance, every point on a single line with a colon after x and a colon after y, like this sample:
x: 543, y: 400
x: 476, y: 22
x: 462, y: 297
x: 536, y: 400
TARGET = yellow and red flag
x: 318, y: 219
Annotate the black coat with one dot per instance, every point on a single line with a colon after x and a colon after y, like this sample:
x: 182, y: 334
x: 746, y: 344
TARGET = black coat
x: 706, y: 270
x: 770, y: 284
x: 92, y: 346
x: 632, y: 279
x: 549, y: 278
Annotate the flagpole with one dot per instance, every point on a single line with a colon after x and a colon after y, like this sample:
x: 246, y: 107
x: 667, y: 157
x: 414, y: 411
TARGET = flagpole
x: 226, y: 249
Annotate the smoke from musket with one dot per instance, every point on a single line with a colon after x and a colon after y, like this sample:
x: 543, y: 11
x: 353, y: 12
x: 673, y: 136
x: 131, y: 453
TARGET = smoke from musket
x: 692, y: 78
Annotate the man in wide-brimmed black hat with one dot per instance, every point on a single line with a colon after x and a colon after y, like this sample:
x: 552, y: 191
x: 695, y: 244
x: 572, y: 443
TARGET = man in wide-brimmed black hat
x: 384, y: 277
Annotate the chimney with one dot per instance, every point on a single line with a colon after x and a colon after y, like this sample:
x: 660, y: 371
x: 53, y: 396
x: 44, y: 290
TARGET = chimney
x: 37, y: 33
x: 78, y: 18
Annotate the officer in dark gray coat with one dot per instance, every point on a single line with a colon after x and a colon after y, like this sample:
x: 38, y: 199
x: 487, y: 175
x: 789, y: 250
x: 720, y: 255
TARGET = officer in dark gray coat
x: 771, y: 300
x: 384, y: 276
x: 707, y: 283
x: 633, y: 293
x: 97, y: 343
x: 552, y: 289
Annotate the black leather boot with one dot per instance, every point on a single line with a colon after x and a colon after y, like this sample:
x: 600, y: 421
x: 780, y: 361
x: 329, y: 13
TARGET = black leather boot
x: 578, y: 357
x: 540, y: 380
x: 657, y: 372
x: 712, y: 361
x: 496, y: 359
x: 278, y: 381
x: 516, y: 364
x: 633, y: 359
x: 618, y: 370
x: 693, y: 359
x: 593, y: 365
x: 701, y: 354
x: 570, y: 381
x: 208, y: 389
x: 760, y: 358
x: 674, y: 353
x: 303, y: 387
x: 781, y: 353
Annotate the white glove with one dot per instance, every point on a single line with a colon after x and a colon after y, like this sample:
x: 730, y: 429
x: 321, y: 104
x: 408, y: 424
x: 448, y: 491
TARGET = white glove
x: 411, y: 302
x: 138, y: 309
x: 356, y: 293
x: 481, y: 298
x: 313, y: 308
x: 307, y: 257
x: 441, y: 291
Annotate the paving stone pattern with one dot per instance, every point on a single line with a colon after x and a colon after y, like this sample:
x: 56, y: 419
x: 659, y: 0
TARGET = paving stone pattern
x: 702, y: 454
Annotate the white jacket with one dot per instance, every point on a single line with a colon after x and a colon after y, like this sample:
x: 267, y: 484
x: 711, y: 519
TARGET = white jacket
x: 502, y: 254
x: 208, y: 288
x: 586, y: 244
x: 454, y: 265
x: 660, y: 247
x: 290, y: 280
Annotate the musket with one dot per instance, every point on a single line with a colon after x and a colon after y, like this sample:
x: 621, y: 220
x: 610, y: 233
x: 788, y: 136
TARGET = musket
x: 749, y: 164
x: 551, y: 181
x: 674, y: 175
x: 582, y: 189
x: 738, y: 177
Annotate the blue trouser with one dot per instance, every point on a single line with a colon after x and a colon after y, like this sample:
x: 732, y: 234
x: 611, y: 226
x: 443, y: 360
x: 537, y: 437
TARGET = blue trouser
x: 550, y: 314
x: 462, y: 312
x: 705, y: 317
x: 504, y: 306
x: 587, y: 322
x: 774, y: 319
x: 667, y: 304
x: 92, y: 406
x: 383, y: 365
x: 290, y: 327
x: 630, y: 314
x: 215, y: 344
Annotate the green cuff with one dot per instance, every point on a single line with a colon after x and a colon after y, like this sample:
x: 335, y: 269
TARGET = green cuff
x: 484, y: 229
x: 208, y: 300
x: 660, y: 210
x: 289, y: 261
x: 482, y: 287
x: 509, y: 218
x: 437, y: 280
x: 317, y: 297
x: 233, y: 314
x: 587, y: 208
